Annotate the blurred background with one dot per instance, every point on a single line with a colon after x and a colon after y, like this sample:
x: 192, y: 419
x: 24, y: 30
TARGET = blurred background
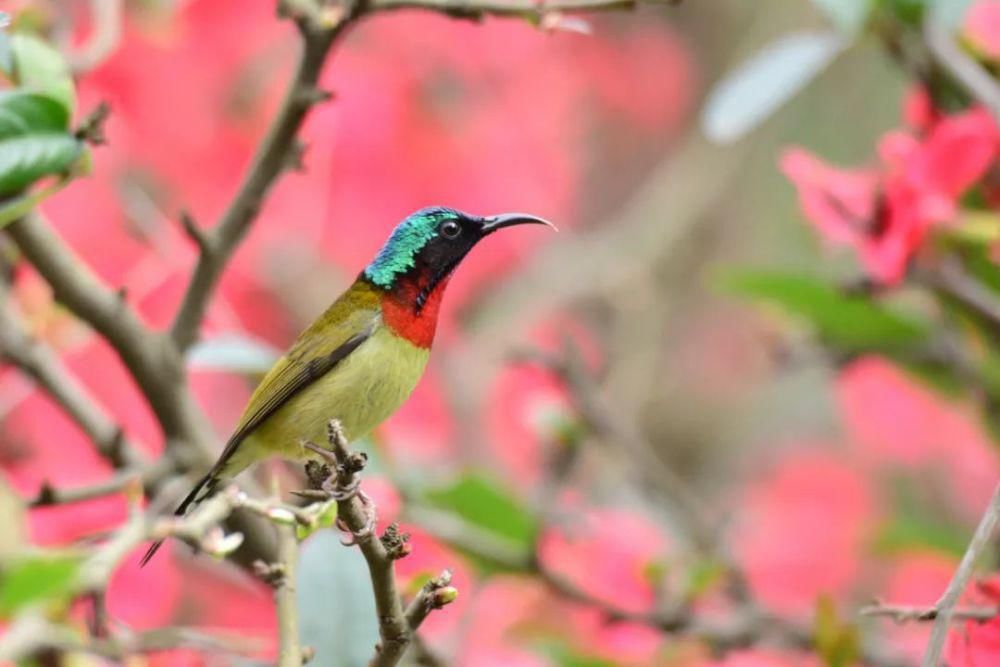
x: 608, y: 423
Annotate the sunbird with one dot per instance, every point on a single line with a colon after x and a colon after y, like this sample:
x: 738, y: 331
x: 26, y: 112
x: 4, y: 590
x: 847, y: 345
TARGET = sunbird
x: 361, y: 359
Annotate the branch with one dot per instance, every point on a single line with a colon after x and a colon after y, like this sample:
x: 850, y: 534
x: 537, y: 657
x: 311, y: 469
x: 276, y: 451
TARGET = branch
x: 106, y: 16
x: 946, y: 605
x: 271, y: 159
x: 49, y: 495
x: 355, y: 513
x: 600, y: 417
x: 40, y: 363
x: 32, y: 634
x: 527, y: 9
x: 907, y: 613
x: 952, y: 280
x: 290, y: 652
x: 976, y: 80
x: 149, y: 357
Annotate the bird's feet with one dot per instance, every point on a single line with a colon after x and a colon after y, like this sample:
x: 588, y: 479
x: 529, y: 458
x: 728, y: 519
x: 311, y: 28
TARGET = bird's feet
x: 345, y: 484
x: 371, y: 519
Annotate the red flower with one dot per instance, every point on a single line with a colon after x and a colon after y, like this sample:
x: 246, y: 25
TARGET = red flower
x: 885, y: 214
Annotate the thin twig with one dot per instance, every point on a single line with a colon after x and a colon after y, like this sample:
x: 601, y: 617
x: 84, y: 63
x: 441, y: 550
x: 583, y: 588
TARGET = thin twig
x: 106, y: 18
x: 909, y: 613
x: 946, y: 605
x: 289, y: 646
x: 32, y: 633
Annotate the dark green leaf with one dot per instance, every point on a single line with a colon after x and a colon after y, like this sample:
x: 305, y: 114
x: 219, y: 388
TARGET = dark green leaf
x: 24, y: 160
x: 35, y: 580
x: 24, y: 112
x: 483, y: 503
x: 854, y: 323
x: 38, y: 66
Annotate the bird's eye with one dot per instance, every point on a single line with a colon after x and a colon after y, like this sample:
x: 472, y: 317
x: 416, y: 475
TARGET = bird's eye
x: 450, y: 229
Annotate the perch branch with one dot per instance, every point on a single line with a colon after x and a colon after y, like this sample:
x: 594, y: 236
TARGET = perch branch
x: 289, y: 646
x: 396, y: 625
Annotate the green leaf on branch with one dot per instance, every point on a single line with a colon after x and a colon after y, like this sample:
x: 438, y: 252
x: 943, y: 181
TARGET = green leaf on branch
x: 24, y: 160
x: 486, y: 505
x: 35, y: 142
x: 852, y: 322
x: 836, y: 641
x: 36, y: 65
x: 748, y: 95
x: 36, y: 580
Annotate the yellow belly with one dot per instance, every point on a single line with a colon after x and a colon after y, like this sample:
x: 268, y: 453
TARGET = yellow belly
x: 361, y: 392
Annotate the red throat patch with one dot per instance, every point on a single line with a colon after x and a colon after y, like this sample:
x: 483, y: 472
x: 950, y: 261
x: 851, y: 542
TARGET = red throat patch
x: 405, y: 319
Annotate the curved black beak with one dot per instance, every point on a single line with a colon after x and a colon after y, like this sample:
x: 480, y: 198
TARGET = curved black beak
x: 494, y: 222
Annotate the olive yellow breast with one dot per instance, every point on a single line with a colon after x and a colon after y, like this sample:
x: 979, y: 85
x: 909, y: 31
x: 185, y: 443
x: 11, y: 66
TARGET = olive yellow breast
x: 364, y: 389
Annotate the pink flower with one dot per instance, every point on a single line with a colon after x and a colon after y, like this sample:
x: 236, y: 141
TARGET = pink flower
x: 982, y: 27
x: 608, y: 554
x: 802, y: 531
x: 885, y: 213
x: 892, y: 422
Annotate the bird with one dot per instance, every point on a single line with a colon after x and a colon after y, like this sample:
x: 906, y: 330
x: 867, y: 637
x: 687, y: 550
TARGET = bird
x: 362, y: 358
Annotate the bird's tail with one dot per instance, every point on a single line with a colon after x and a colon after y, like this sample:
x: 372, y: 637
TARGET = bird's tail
x: 203, y: 489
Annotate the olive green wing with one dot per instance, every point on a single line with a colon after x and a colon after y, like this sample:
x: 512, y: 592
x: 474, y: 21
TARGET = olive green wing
x: 348, y: 323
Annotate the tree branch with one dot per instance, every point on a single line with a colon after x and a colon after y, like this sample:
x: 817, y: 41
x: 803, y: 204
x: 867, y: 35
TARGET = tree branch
x: 355, y: 513
x: 289, y: 646
x: 908, y: 613
x: 271, y: 159
x: 946, y: 605
x: 41, y: 364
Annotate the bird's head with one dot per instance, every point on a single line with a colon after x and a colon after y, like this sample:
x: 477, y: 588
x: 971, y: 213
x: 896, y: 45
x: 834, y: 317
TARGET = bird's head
x: 426, y: 247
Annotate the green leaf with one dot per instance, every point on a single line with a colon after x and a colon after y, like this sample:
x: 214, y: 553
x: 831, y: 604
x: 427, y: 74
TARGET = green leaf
x: 748, y: 95
x: 327, y: 517
x: 849, y: 16
x: 560, y: 653
x: 836, y: 641
x: 34, y: 580
x: 855, y: 323
x: 24, y: 112
x: 24, y: 160
x: 39, y: 66
x: 484, y: 504
x: 34, y: 143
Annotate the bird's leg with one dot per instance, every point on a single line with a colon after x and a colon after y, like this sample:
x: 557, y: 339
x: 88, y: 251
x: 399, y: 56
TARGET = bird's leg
x: 327, y: 455
x: 371, y: 519
x: 344, y: 485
